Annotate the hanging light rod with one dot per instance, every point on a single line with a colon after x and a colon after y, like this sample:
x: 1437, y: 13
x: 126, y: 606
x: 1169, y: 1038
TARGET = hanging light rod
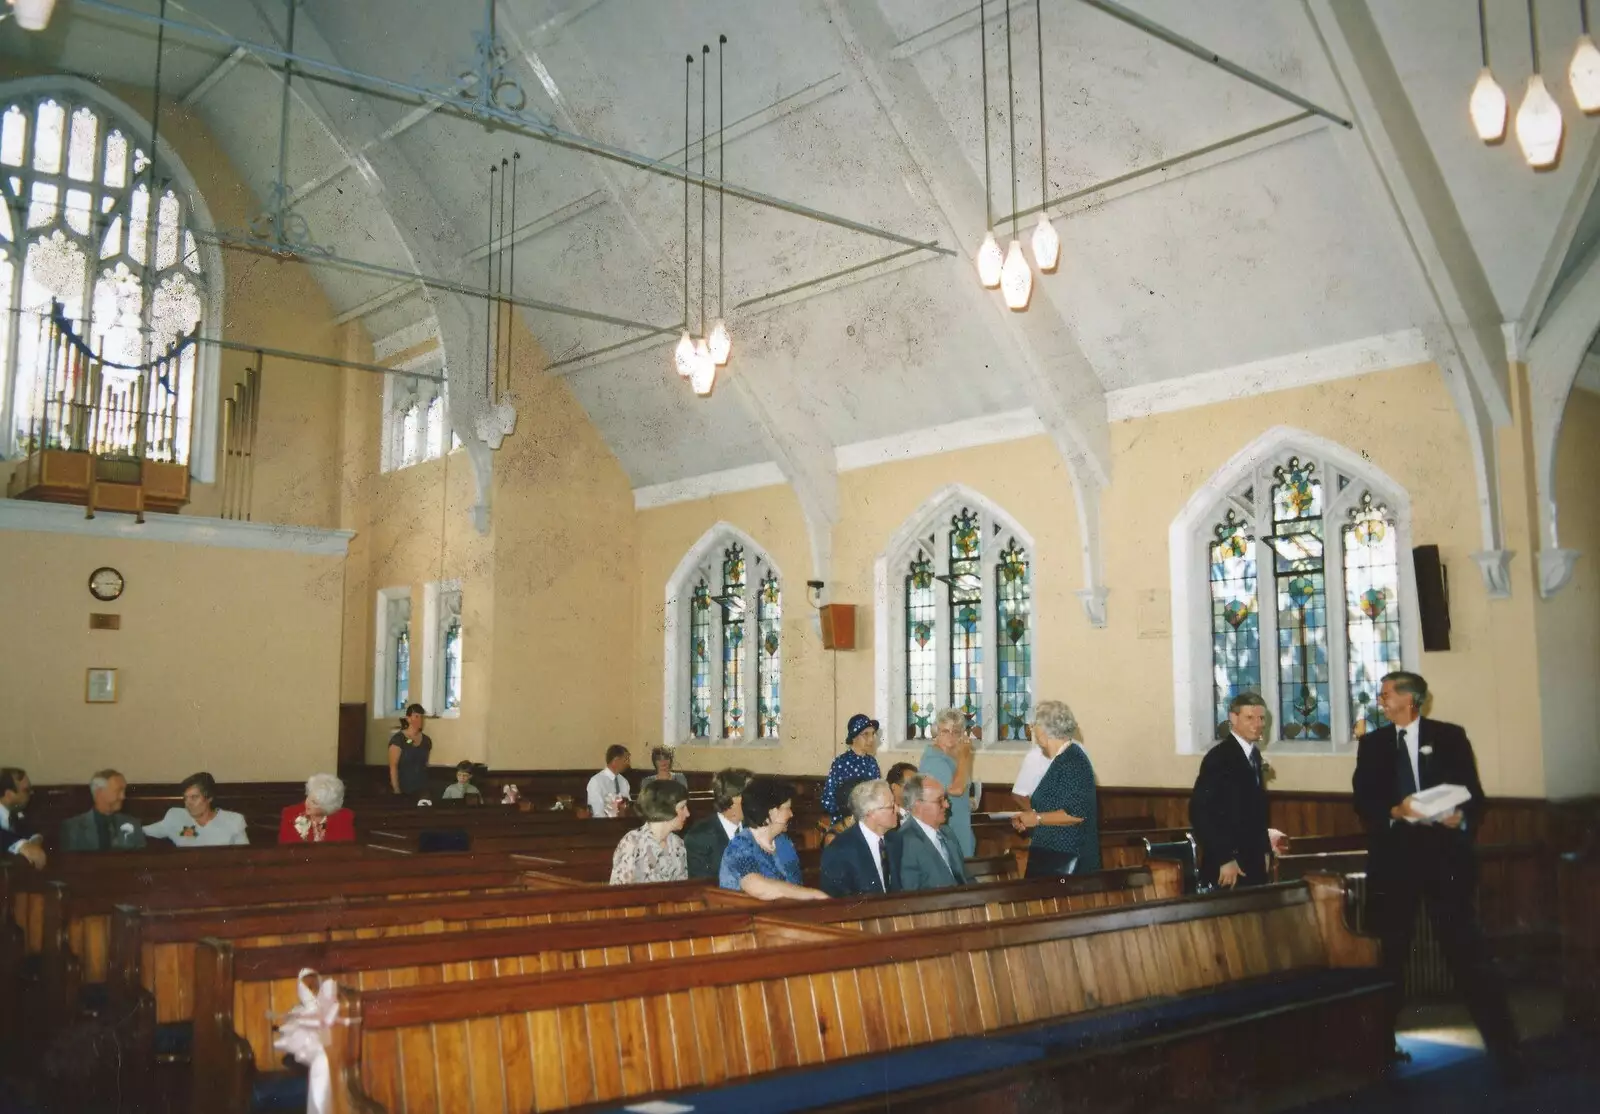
x: 1205, y: 54
x: 306, y: 65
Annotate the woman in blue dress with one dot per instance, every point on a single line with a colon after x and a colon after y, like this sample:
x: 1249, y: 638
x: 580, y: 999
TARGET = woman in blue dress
x: 760, y: 859
x: 1063, y: 817
x: 855, y: 764
x: 949, y: 759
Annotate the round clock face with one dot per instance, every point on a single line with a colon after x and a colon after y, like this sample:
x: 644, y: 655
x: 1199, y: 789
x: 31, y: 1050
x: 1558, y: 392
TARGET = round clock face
x: 105, y: 583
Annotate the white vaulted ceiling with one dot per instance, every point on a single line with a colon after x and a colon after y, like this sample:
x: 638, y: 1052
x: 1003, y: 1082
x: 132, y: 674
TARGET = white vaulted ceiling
x: 869, y: 109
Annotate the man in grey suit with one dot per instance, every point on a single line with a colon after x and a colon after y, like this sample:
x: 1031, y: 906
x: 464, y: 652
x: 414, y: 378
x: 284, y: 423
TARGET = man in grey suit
x: 105, y: 827
x: 924, y: 848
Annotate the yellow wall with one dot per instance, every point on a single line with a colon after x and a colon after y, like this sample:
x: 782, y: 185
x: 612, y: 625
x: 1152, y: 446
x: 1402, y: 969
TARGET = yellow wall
x: 1569, y: 622
x: 227, y: 660
x: 1120, y: 684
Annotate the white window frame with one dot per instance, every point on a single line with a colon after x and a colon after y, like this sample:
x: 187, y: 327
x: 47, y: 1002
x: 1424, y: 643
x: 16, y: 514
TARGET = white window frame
x: 704, y: 559
x: 889, y: 573
x: 1189, y: 538
x: 441, y: 600
x: 383, y: 677
x: 208, y: 362
x: 400, y: 391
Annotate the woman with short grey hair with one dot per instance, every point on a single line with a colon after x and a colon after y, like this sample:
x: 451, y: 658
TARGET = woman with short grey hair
x: 321, y: 817
x: 949, y: 759
x: 1064, y: 817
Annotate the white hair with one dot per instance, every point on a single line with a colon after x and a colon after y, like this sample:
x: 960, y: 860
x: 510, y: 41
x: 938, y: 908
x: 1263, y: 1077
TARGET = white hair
x: 868, y: 796
x: 953, y: 716
x: 102, y: 778
x: 326, y: 792
x: 1056, y: 719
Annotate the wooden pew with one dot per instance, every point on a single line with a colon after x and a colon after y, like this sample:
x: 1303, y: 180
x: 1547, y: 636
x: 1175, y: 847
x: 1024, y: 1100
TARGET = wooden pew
x: 1580, y: 937
x: 551, y: 1042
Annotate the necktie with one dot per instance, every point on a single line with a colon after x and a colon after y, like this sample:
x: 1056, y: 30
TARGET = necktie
x: 1405, y: 781
x: 883, y: 862
x: 950, y: 858
x: 1255, y: 764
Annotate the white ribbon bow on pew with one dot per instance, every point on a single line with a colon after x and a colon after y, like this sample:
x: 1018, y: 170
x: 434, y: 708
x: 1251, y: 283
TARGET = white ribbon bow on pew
x: 304, y: 1033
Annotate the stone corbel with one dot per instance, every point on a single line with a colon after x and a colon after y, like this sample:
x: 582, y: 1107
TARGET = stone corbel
x: 1555, y: 569
x: 1094, y: 604
x: 1495, y: 567
x: 1094, y: 592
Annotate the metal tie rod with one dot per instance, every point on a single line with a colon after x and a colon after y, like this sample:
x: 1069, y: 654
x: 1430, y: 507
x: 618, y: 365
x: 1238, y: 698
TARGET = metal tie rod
x: 533, y: 128
x: 309, y: 358
x: 1205, y: 54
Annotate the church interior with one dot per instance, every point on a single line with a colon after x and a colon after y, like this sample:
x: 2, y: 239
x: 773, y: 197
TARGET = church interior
x: 737, y: 383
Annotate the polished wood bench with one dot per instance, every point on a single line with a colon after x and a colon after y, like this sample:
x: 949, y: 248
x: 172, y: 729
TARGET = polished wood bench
x: 551, y: 1042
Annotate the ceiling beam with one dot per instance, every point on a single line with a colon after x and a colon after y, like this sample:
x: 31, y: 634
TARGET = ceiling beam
x: 214, y: 78
x: 1038, y: 345
x: 1583, y: 192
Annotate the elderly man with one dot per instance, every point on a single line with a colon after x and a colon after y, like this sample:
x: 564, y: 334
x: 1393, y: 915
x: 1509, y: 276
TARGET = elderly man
x: 1413, y: 858
x: 15, y: 835
x: 922, y: 848
x: 1228, y: 809
x: 608, y: 790
x: 708, y: 839
x: 105, y: 827
x: 858, y: 861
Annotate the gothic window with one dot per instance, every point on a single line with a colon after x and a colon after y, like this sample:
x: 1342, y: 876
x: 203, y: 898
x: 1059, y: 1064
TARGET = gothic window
x: 392, y: 670
x: 1305, y: 599
x: 725, y: 643
x: 960, y: 624
x: 441, y: 689
x: 416, y: 422
x: 83, y: 225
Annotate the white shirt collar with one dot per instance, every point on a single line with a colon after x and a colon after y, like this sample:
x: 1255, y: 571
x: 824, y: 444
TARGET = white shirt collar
x: 728, y: 825
x: 927, y: 829
x: 1249, y: 748
x: 873, y: 840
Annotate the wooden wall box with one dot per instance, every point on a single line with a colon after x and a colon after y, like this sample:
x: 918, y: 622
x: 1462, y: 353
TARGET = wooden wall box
x: 838, y: 626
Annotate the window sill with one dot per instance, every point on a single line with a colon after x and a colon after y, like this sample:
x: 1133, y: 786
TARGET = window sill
x: 736, y: 743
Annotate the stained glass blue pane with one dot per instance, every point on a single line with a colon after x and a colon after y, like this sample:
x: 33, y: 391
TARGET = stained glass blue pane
x: 733, y: 649
x: 402, y: 668
x: 966, y: 627
x: 700, y: 662
x: 1305, y: 704
x: 921, y: 652
x: 1235, y: 616
x: 769, y: 663
x: 1372, y: 609
x: 452, y: 667
x: 1014, y: 635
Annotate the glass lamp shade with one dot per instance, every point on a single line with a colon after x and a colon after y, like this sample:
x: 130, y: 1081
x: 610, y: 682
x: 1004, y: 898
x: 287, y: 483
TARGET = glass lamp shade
x: 1046, y: 244
x: 33, y: 15
x: 1488, y: 108
x: 1584, y: 74
x: 1539, y: 125
x: 704, y: 375
x: 1016, y: 278
x: 720, y: 343
x: 683, y: 355
x: 990, y: 261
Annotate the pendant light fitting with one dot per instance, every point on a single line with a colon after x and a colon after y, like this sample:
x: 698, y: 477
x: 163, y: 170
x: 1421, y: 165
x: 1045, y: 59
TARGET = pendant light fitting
x: 1046, y: 243
x: 1487, y: 105
x: 1583, y: 74
x: 1539, y: 122
x: 704, y: 375
x: 1016, y: 277
x: 989, y: 258
x: 720, y: 343
x: 683, y: 354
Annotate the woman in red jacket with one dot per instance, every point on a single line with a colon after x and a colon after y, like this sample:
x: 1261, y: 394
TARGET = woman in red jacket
x: 321, y: 817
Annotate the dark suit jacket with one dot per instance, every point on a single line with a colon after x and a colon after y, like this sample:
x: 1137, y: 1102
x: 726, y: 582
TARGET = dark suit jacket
x: 850, y: 868
x: 918, y: 860
x: 706, y: 842
x: 1228, y: 813
x: 20, y: 829
x: 1444, y: 758
x: 78, y: 833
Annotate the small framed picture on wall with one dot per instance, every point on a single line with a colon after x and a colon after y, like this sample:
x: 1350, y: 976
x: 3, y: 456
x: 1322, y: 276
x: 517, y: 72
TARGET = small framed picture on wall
x: 100, y: 686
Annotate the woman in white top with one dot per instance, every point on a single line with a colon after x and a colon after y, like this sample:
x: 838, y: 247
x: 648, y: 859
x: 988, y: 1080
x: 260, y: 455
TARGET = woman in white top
x: 199, y: 823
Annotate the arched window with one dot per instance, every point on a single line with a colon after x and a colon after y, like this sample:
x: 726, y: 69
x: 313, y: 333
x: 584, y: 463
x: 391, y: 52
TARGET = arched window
x: 955, y: 591
x: 1301, y: 548
x: 416, y: 421
x: 402, y: 667
x: 83, y: 224
x: 724, y: 649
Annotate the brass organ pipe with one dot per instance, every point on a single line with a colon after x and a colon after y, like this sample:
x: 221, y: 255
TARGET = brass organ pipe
x: 254, y: 378
x: 227, y: 451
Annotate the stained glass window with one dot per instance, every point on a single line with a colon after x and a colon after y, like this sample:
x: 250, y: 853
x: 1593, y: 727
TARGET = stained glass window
x: 1372, y: 621
x: 1328, y: 537
x: 700, y: 662
x: 402, y: 667
x: 1235, y: 623
x: 444, y: 693
x: 452, y: 665
x: 733, y: 655
x: 966, y: 605
x: 921, y: 653
x: 130, y: 280
x: 769, y: 663
x: 1014, y: 635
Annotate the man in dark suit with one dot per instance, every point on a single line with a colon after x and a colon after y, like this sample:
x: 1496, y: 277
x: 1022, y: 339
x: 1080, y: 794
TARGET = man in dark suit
x: 922, y: 849
x: 708, y: 839
x: 1411, y: 860
x: 1228, y: 809
x: 17, y: 837
x: 105, y: 827
x: 858, y: 860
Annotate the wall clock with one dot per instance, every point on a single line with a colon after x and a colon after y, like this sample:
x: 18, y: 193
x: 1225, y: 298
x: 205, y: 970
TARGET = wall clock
x: 105, y: 583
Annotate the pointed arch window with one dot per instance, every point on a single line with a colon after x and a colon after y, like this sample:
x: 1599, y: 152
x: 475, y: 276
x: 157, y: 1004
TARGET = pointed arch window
x: 392, y: 669
x: 83, y: 224
x: 416, y: 422
x: 1306, y: 600
x: 959, y: 629
x: 442, y: 657
x: 725, y: 644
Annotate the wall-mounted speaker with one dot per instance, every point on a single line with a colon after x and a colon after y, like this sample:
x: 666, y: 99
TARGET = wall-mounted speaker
x: 838, y: 626
x: 1433, y: 597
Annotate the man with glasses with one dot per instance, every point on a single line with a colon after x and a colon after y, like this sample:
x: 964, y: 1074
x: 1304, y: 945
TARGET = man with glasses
x: 924, y: 851
x: 858, y: 860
